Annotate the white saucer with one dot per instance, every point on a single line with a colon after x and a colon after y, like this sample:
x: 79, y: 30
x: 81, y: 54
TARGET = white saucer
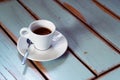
x: 58, y: 48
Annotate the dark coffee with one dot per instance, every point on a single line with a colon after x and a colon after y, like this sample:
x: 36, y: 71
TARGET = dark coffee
x: 42, y: 31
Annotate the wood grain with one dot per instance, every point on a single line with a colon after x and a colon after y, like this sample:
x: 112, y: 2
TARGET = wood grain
x: 10, y: 67
x: 112, y: 75
x: 76, y: 13
x: 62, y: 68
x: 99, y: 21
x: 69, y: 8
x: 14, y: 20
x: 85, y: 46
x: 81, y: 41
x: 12, y: 36
x: 38, y: 17
x: 111, y: 7
x: 29, y: 10
x: 45, y: 69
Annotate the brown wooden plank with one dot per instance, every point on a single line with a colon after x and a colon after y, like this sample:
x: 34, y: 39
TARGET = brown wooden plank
x: 3, y: 1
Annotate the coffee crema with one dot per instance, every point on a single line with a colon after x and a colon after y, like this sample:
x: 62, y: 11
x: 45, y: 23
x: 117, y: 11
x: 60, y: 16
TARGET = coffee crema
x: 42, y: 31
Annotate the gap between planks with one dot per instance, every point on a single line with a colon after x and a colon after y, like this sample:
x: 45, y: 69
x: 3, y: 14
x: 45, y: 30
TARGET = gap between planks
x: 78, y: 15
x: 36, y: 63
x: 82, y: 19
x: 29, y: 10
x: 14, y: 39
x: 88, y: 67
x: 107, y: 72
x: 37, y: 18
x: 106, y: 10
x: 93, y: 71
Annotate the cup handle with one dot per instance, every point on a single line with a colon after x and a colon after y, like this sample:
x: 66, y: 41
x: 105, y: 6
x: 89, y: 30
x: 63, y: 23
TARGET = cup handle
x: 24, y: 32
x: 56, y: 37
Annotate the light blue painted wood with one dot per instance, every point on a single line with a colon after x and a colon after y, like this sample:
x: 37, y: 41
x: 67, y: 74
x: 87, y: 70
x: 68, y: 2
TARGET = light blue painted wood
x: 56, y: 69
x: 12, y: 12
x: 67, y: 67
x: 114, y: 75
x: 113, y: 5
x: 90, y: 49
x: 102, y: 22
x: 10, y: 62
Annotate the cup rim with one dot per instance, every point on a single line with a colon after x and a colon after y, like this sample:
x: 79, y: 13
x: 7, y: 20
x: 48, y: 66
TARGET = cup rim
x: 42, y: 20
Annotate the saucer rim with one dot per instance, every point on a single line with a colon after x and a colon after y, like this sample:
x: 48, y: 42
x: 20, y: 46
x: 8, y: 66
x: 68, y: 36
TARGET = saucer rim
x: 43, y: 60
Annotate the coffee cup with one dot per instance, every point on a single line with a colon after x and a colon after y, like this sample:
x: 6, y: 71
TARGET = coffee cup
x: 40, y: 32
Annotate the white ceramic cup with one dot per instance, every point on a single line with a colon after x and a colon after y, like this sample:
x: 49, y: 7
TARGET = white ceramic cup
x: 41, y: 42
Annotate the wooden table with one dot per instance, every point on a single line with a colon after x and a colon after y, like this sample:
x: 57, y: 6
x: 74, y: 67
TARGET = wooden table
x: 92, y: 28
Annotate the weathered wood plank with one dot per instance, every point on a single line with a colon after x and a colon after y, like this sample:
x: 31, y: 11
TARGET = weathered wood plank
x: 113, y: 5
x: 13, y: 17
x: 102, y: 22
x: 67, y: 67
x: 12, y: 12
x: 106, y: 9
x: 10, y: 62
x: 113, y: 75
x: 58, y: 65
x: 3, y: 1
x: 87, y: 47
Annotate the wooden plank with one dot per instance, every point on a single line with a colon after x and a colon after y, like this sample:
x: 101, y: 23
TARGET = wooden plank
x: 16, y: 15
x: 3, y: 1
x: 113, y: 75
x: 106, y: 10
x: 86, y: 46
x: 12, y: 18
x: 67, y: 67
x: 78, y: 15
x: 112, y: 5
x: 59, y: 64
x: 10, y: 62
x: 103, y: 23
